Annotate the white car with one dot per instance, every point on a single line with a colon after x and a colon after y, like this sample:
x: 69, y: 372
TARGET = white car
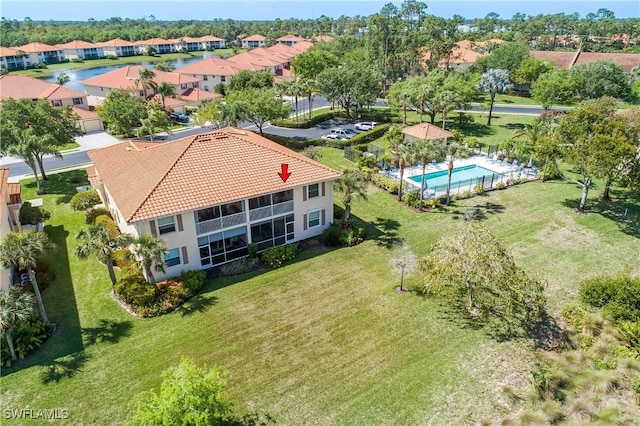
x: 365, y: 125
x: 334, y: 136
x: 346, y: 133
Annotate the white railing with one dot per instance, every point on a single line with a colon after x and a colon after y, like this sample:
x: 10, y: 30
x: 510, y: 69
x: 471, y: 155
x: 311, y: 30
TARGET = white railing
x: 219, y: 223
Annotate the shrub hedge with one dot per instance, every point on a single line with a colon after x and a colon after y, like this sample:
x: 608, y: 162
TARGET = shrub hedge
x: 27, y: 336
x: 85, y: 200
x: 619, y: 296
x: 276, y: 256
x: 383, y: 182
x: 338, y: 234
x: 91, y: 214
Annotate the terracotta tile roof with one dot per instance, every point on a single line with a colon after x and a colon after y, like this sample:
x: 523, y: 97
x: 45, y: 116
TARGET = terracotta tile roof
x: 283, y: 50
x: 84, y: 114
x: 199, y: 171
x: 14, y: 191
x: 322, y: 37
x: 627, y: 61
x: 271, y: 54
x: 8, y: 51
x: 211, y: 66
x: 491, y: 40
x: 116, y: 42
x: 210, y: 38
x: 247, y: 58
x: 124, y: 78
x: 426, y: 131
x: 290, y: 37
x: 20, y: 86
x: 37, y: 47
x: 197, y: 95
x: 169, y: 101
x: 302, y: 46
x: 255, y: 37
x: 154, y: 41
x: 76, y: 44
x: 560, y: 59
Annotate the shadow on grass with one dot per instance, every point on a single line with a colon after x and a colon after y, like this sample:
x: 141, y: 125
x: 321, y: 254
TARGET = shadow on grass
x: 107, y: 331
x: 197, y: 304
x: 476, y: 129
x: 478, y: 212
x: 63, y: 184
x: 64, y: 367
x: 384, y: 232
x: 512, y: 126
x: 548, y: 335
x: 623, y: 209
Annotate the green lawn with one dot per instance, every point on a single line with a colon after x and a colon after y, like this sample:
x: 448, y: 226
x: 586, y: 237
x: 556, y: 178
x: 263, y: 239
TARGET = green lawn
x: 324, y: 340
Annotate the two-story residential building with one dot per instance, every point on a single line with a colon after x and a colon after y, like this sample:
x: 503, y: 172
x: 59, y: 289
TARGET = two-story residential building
x: 159, y: 44
x: 128, y: 78
x: 119, y: 47
x: 42, y: 53
x: 79, y: 49
x: 10, y: 203
x: 255, y: 40
x: 208, y: 42
x: 23, y: 87
x: 14, y: 59
x: 212, y: 71
x: 290, y: 40
x: 211, y: 195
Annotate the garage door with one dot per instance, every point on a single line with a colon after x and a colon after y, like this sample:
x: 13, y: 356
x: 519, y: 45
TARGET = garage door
x: 89, y: 126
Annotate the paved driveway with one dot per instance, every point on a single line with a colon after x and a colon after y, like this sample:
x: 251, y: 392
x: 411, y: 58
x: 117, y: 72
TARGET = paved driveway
x: 314, y: 132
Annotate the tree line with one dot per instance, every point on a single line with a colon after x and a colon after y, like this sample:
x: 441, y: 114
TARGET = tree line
x: 395, y: 23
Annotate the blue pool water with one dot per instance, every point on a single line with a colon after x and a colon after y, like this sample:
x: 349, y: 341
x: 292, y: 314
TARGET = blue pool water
x: 467, y: 175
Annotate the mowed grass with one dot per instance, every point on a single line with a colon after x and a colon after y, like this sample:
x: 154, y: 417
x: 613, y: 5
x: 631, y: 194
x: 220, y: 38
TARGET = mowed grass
x: 326, y: 339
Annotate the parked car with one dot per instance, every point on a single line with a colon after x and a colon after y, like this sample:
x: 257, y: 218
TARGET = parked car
x: 334, y: 136
x: 179, y: 118
x: 347, y: 133
x: 365, y: 125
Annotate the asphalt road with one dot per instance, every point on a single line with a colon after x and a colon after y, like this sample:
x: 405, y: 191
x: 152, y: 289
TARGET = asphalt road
x: 75, y: 159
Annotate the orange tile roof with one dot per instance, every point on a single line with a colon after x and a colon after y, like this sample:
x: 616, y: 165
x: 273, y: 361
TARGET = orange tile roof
x: 290, y: 37
x: 84, y: 114
x: 283, y: 50
x: 169, y: 101
x: 301, y: 46
x: 8, y: 51
x: 560, y: 59
x: 20, y: 86
x: 154, y: 41
x: 210, y: 38
x: 199, y: 171
x: 270, y: 53
x: 626, y: 61
x: 247, y: 58
x: 322, y: 37
x: 76, y: 44
x: 211, y: 66
x: 37, y: 47
x: 426, y: 131
x: 116, y: 42
x: 255, y: 37
x: 197, y: 95
x: 124, y: 78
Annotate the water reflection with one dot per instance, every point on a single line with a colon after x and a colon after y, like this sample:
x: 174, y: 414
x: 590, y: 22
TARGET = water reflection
x: 78, y: 75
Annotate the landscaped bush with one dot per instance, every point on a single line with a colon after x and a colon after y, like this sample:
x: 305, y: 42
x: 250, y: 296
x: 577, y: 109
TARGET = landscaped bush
x: 479, y: 189
x: 85, y: 200
x: 112, y: 228
x: 500, y: 185
x: 370, y: 135
x: 295, y: 144
x: 386, y: 183
x: 30, y: 215
x: 44, y: 274
x: 307, y: 124
x: 619, y: 296
x: 276, y: 256
x: 412, y: 198
x: 338, y: 235
x: 91, y: 214
x: 252, y: 250
x: 122, y: 259
x: 462, y: 195
x: 136, y: 291
x: 553, y: 172
x: 194, y: 280
x: 27, y: 336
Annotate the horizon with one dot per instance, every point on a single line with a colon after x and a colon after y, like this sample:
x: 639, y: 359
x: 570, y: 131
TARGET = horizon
x: 265, y: 10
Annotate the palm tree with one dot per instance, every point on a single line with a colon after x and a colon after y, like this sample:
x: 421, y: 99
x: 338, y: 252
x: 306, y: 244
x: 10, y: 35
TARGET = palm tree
x: 425, y: 150
x: 165, y: 89
x: 395, y: 139
x: 21, y: 250
x: 27, y: 144
x: 494, y: 81
x: 308, y: 88
x: 447, y: 101
x: 155, y: 120
x: 353, y: 184
x: 537, y: 137
x: 454, y: 150
x: 295, y: 90
x: 405, y: 100
x: 146, y: 81
x: 15, y: 306
x: 62, y: 79
x: 97, y: 241
x: 148, y: 251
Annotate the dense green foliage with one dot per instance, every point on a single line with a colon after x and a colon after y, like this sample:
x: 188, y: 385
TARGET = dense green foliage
x: 91, y: 215
x: 618, y: 296
x: 276, y: 256
x: 135, y: 290
x: 194, y: 280
x: 30, y: 215
x: 343, y: 234
x: 121, y: 112
x: 27, y: 337
x: 85, y: 200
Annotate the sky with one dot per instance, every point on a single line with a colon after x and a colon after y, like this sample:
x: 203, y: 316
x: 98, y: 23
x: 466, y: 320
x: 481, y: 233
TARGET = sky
x: 169, y: 10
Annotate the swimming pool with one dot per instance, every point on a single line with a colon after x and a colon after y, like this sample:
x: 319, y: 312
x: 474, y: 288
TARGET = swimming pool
x: 460, y: 176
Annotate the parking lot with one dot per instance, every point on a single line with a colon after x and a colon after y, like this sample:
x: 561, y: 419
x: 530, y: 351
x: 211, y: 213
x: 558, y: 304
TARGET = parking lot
x: 318, y: 131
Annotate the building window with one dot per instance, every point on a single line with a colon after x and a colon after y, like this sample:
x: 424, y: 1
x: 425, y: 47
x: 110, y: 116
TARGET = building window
x: 205, y: 78
x: 283, y: 196
x: 166, y: 225
x: 172, y: 258
x: 56, y: 103
x: 313, y: 190
x: 206, y: 88
x: 77, y: 101
x: 313, y: 219
x: 224, y: 246
x: 223, y: 78
x: 273, y: 232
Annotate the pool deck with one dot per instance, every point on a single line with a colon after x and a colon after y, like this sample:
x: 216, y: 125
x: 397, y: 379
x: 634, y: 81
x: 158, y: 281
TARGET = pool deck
x: 508, y: 171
